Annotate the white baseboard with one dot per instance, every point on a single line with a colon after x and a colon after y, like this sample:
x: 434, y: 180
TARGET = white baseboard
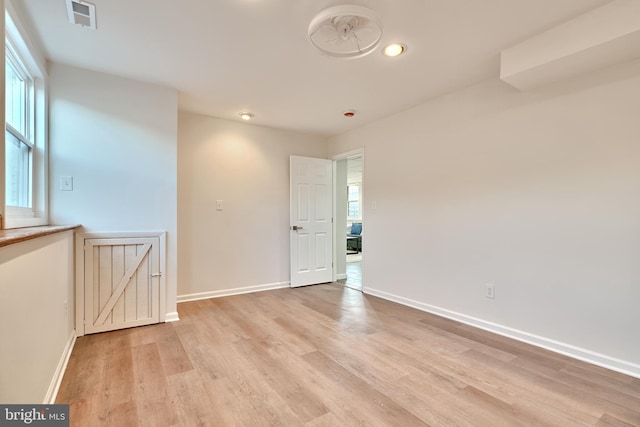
x: 341, y: 276
x: 54, y: 386
x: 233, y: 291
x: 171, y: 317
x: 622, y: 366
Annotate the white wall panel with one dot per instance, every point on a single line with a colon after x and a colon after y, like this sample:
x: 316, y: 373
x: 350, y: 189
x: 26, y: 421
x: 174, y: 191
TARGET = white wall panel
x: 118, y: 139
x: 245, y: 245
x: 36, y: 315
x: 536, y: 193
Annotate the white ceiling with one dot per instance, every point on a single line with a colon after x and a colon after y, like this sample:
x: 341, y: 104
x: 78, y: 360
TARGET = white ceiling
x: 227, y: 56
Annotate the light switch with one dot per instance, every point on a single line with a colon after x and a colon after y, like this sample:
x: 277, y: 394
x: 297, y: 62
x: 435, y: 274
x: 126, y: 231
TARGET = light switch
x: 218, y: 205
x: 66, y: 183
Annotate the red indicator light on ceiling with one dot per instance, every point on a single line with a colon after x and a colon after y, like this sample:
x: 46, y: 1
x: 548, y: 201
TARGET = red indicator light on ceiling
x: 349, y: 113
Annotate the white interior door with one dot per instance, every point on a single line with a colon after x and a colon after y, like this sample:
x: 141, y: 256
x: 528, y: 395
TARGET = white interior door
x: 121, y: 283
x: 311, y: 231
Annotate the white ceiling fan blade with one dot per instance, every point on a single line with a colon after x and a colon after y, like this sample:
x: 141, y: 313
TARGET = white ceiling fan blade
x: 367, y: 29
x: 345, y: 31
x: 324, y: 31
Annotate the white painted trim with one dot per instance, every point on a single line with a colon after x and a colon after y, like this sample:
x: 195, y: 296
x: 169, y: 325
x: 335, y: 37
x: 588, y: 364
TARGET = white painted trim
x: 123, y: 234
x: 54, y: 386
x: 163, y: 276
x: 358, y: 152
x: 25, y: 39
x: 353, y: 153
x: 171, y: 317
x: 32, y: 57
x: 79, y: 303
x: 233, y: 291
x: 334, y: 216
x: 598, y: 359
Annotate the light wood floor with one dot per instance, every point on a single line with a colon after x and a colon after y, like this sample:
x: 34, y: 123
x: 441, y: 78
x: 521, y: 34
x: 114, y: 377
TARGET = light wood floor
x: 329, y: 356
x: 354, y: 275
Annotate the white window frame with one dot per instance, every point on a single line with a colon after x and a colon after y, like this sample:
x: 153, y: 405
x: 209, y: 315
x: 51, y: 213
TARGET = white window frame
x: 29, y: 61
x: 25, y: 135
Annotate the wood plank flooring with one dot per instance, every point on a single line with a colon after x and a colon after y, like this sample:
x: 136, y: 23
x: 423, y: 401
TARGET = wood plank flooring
x: 330, y: 356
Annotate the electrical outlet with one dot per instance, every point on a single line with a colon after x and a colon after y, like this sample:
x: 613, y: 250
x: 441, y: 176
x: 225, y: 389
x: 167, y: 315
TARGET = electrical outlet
x: 490, y: 291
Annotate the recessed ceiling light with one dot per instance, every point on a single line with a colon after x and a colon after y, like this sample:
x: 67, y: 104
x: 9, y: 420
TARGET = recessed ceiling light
x: 394, y: 49
x: 246, y: 116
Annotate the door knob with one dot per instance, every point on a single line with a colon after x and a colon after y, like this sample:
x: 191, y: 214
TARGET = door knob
x: 296, y: 228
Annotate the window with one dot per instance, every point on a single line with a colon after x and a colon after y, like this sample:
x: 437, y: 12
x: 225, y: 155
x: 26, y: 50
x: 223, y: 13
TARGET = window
x: 23, y: 174
x: 18, y: 140
x: 353, y: 197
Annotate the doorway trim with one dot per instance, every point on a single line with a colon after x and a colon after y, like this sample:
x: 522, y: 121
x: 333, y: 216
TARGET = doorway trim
x: 359, y: 152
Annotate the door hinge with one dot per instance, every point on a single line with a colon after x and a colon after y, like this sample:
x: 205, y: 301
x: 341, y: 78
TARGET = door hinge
x: 156, y: 275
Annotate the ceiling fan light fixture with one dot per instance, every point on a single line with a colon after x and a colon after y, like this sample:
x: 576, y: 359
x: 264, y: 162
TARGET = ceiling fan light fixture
x: 345, y: 31
x: 394, y: 49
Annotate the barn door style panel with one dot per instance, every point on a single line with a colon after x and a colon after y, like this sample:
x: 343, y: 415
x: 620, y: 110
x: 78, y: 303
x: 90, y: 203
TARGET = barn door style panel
x: 122, y: 282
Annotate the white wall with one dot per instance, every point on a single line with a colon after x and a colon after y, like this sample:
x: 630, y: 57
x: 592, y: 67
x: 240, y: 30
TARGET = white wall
x: 246, y: 245
x: 536, y: 193
x: 36, y: 279
x: 118, y: 139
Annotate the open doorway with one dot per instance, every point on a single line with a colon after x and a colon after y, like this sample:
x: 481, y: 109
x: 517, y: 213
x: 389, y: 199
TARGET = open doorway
x: 349, y: 226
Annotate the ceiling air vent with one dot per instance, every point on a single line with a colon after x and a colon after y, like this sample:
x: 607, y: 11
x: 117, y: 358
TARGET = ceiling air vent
x: 82, y: 13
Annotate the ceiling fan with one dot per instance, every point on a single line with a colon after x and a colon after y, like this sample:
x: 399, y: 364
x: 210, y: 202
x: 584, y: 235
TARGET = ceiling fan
x: 345, y: 31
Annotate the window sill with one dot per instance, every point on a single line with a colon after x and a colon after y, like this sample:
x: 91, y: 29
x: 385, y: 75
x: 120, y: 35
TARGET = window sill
x: 17, y: 222
x: 17, y: 235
